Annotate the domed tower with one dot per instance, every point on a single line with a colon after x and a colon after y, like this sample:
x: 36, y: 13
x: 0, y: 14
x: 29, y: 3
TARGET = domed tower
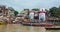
x: 42, y: 14
x: 31, y: 14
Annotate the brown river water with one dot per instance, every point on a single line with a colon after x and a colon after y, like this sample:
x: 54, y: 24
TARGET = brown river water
x: 20, y: 28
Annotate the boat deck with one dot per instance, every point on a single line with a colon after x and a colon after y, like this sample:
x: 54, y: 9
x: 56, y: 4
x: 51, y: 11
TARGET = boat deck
x: 53, y: 28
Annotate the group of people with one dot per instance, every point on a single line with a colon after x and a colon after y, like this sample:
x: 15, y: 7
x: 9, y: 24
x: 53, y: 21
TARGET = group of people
x: 9, y: 19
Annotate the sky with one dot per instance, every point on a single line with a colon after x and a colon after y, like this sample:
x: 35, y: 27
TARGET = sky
x: 19, y: 5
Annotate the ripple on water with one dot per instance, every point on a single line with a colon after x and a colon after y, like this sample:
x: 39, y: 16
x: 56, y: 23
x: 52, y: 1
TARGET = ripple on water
x: 20, y: 28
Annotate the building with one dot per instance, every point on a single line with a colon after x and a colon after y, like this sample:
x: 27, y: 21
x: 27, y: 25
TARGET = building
x: 3, y: 10
x: 6, y: 10
x: 11, y: 11
x: 25, y: 13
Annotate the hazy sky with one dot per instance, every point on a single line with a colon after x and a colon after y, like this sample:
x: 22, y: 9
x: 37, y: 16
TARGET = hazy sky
x: 21, y: 4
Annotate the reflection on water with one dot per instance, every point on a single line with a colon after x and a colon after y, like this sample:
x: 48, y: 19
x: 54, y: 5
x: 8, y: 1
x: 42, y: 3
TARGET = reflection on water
x: 20, y: 28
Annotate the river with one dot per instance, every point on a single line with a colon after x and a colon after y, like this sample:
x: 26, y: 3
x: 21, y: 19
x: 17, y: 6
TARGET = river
x: 20, y: 28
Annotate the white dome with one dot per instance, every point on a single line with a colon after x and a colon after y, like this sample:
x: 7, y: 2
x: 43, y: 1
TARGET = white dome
x: 42, y: 9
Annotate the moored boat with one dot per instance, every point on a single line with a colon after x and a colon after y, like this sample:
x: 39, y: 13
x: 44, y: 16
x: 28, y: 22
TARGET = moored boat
x: 37, y: 24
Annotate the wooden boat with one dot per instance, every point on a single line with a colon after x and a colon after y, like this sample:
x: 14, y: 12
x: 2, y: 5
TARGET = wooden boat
x: 37, y: 24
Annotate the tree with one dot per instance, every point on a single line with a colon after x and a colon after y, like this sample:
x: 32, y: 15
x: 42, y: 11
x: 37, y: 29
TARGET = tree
x: 11, y: 9
x: 36, y: 9
x: 47, y: 12
x: 26, y: 9
x: 15, y: 12
x: 54, y: 11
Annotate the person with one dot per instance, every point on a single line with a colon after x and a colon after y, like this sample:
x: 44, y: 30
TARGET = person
x: 17, y: 20
x: 8, y: 19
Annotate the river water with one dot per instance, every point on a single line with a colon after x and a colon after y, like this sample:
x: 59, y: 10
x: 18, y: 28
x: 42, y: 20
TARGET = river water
x: 20, y: 28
